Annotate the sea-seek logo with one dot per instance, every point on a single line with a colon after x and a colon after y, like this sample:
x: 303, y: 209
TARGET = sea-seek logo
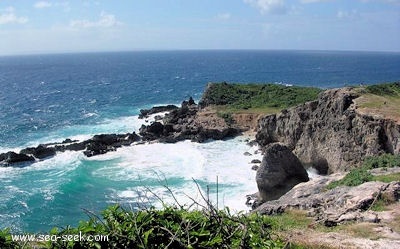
x: 54, y: 238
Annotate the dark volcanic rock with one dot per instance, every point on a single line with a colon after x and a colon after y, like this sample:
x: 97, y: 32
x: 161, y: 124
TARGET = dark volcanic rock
x: 101, y: 144
x: 40, y: 152
x: 12, y: 158
x: 279, y: 171
x: 156, y: 109
x: 185, y: 123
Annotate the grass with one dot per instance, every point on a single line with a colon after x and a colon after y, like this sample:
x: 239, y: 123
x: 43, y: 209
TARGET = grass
x: 382, y: 99
x: 264, y: 98
x: 289, y: 220
x: 360, y: 175
x: 387, y: 178
x: 354, y: 178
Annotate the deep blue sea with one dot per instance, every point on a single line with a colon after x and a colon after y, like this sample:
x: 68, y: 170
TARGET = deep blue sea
x: 46, y: 98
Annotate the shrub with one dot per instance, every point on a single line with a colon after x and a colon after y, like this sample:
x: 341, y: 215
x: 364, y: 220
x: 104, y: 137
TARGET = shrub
x: 382, y: 161
x: 360, y: 175
x: 354, y: 178
x: 384, y: 89
x: 173, y: 227
x: 6, y: 241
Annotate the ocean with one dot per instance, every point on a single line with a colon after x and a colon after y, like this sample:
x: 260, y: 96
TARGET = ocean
x: 48, y: 98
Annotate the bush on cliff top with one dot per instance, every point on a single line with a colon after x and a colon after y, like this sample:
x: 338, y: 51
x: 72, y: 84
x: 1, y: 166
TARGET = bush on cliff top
x: 248, y: 96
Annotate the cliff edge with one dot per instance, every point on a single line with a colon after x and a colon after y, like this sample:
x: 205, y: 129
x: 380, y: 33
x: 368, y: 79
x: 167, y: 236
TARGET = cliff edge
x: 335, y: 132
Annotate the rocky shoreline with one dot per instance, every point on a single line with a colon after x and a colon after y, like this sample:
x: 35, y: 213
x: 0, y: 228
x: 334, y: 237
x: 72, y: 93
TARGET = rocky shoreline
x: 187, y: 122
x: 330, y: 134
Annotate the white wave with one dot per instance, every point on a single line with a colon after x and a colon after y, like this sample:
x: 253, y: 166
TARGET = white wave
x: 185, y: 160
x: 90, y: 114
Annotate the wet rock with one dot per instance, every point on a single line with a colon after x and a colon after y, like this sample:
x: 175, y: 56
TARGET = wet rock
x: 9, y: 158
x: 144, y: 113
x: 40, y: 152
x: 255, y: 161
x: 255, y: 167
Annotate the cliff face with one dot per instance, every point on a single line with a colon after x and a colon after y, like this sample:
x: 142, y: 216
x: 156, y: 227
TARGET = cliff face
x: 328, y: 133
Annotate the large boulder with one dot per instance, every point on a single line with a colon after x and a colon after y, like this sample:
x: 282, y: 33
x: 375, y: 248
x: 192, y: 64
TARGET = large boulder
x: 280, y: 171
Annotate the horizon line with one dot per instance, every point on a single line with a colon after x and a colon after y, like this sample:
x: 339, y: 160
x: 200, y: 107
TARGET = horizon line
x: 188, y: 50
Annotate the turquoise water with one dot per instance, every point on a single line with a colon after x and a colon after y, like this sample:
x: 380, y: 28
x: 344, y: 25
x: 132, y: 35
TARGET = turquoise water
x: 46, y: 98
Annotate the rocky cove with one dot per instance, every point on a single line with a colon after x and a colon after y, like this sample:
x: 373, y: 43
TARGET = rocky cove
x: 332, y: 133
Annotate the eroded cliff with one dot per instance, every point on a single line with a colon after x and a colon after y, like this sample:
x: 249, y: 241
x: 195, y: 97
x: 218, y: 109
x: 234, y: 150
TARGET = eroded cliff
x: 330, y: 133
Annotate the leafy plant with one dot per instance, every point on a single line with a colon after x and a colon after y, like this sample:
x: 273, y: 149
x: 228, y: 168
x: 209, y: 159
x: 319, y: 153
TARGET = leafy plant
x: 173, y: 227
x: 6, y: 241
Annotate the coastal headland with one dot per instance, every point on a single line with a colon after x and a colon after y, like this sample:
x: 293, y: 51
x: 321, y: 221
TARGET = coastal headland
x: 338, y: 133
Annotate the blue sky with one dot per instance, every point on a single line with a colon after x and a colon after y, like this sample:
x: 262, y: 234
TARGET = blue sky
x: 99, y: 25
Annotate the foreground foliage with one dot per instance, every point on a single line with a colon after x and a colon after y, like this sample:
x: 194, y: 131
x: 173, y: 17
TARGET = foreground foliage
x: 170, y: 227
x: 360, y: 175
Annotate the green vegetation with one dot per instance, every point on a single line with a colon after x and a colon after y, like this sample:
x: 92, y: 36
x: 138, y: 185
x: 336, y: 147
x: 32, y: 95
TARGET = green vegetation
x: 382, y: 100
x: 360, y: 175
x: 274, y: 97
x: 170, y: 227
x: 6, y: 241
x: 391, y: 89
x: 227, y: 116
x: 354, y: 178
x: 289, y: 220
x: 382, y: 161
x: 387, y: 178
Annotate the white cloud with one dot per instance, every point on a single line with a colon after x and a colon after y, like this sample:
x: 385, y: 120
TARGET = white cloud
x: 383, y: 1
x: 8, y: 16
x: 42, y: 5
x: 224, y: 16
x: 105, y: 21
x: 268, y: 6
x: 346, y: 14
x: 313, y: 1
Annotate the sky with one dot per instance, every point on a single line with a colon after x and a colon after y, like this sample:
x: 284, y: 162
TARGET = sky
x: 30, y: 27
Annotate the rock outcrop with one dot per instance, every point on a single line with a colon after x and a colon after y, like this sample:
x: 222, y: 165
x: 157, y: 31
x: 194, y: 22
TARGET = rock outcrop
x: 156, y: 109
x: 98, y: 144
x: 12, y: 158
x: 334, y: 206
x: 280, y: 171
x: 188, y: 123
x: 329, y: 134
